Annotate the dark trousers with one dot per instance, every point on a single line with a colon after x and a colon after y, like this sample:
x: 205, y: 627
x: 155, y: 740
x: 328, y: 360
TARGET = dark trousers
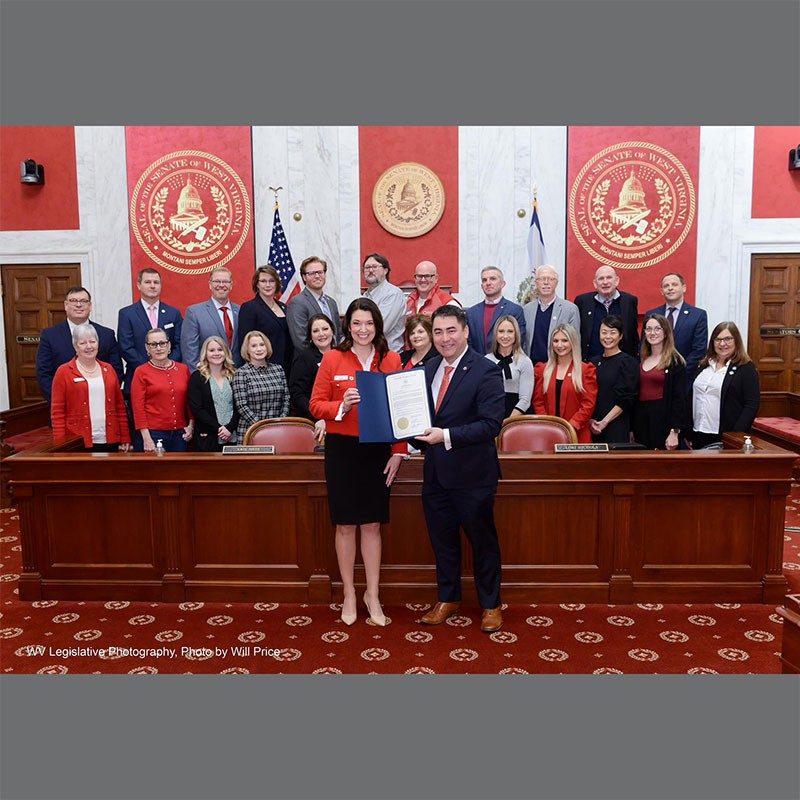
x: 172, y: 440
x: 446, y: 512
x: 701, y: 440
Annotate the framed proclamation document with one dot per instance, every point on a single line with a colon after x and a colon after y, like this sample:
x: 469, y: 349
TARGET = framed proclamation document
x: 393, y: 406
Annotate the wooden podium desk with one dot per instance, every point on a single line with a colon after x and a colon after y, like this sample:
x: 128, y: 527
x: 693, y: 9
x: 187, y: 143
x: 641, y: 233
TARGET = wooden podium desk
x: 616, y: 527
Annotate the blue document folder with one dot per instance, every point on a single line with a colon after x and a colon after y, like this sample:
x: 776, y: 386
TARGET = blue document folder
x: 374, y: 422
x: 374, y: 416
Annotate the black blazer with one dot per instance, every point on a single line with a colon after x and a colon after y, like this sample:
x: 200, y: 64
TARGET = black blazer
x: 206, y: 423
x: 255, y: 315
x: 406, y: 355
x: 301, y: 380
x: 56, y: 348
x: 739, y: 399
x: 629, y: 311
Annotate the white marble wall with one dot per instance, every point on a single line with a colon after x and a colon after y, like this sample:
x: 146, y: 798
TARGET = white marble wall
x: 498, y: 166
x: 318, y: 168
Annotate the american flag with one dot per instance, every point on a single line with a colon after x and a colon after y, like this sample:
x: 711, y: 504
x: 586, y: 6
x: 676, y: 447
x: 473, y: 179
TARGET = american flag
x: 281, y: 259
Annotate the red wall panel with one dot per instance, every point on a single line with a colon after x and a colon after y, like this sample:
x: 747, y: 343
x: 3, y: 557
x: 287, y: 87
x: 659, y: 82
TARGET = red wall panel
x: 52, y: 207
x: 437, y: 148
x: 599, y: 159
x: 776, y: 190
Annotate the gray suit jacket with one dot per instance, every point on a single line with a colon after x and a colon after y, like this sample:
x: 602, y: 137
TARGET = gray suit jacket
x: 300, y: 309
x: 564, y: 313
x: 203, y: 320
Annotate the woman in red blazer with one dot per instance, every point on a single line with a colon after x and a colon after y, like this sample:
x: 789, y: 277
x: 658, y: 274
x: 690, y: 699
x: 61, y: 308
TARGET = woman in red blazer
x: 564, y: 386
x: 87, y: 400
x: 358, y: 475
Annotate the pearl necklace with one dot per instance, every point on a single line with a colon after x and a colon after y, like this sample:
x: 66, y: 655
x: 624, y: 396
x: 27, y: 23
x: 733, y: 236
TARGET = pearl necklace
x: 86, y: 371
x: 169, y: 365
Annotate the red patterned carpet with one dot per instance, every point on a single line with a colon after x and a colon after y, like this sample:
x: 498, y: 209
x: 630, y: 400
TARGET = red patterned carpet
x: 59, y: 637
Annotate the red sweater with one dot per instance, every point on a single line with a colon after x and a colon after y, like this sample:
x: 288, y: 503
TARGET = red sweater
x: 160, y: 397
x: 336, y: 374
x: 69, y: 411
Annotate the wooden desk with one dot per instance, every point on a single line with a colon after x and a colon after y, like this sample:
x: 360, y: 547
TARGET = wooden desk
x: 600, y: 528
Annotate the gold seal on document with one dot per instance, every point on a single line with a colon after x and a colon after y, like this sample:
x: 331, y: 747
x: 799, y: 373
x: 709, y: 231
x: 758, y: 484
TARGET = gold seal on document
x: 403, y: 423
x: 408, y: 199
x: 190, y: 212
x: 632, y: 205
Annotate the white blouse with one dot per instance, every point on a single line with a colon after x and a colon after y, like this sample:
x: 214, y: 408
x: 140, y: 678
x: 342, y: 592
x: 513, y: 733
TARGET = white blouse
x: 97, y: 407
x: 707, y: 399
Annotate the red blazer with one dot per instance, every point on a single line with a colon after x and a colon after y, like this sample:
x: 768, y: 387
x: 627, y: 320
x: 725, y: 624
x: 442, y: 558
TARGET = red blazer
x: 69, y: 411
x: 576, y: 408
x: 336, y: 374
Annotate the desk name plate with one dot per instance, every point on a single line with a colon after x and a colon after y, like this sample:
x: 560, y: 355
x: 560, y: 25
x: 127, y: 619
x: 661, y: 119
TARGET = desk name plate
x: 248, y: 449
x: 599, y: 447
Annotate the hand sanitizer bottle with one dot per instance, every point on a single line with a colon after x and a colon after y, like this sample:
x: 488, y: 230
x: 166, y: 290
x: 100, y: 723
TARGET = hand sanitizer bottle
x: 160, y: 448
x: 748, y: 445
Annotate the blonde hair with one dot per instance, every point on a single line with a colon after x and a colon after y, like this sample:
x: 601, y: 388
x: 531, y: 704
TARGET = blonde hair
x: 204, y: 368
x: 516, y: 349
x: 552, y: 358
x: 246, y: 344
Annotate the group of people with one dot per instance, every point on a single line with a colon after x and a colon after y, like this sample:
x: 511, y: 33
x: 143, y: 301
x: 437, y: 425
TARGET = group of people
x: 671, y: 387
x: 208, y: 377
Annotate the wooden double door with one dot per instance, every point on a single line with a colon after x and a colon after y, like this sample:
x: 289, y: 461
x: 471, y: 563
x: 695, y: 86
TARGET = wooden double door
x: 33, y: 299
x: 773, y: 340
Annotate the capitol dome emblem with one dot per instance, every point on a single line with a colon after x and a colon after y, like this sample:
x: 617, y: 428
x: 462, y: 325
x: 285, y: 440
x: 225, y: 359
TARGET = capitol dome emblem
x: 190, y: 212
x: 408, y: 199
x: 632, y: 205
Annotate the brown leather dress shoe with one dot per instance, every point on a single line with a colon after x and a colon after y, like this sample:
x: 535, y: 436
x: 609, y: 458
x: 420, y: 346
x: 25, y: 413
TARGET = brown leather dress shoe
x: 492, y: 620
x: 440, y: 612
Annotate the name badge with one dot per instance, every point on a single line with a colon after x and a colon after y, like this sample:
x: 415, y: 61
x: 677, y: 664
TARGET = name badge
x: 78, y: 380
x: 342, y: 378
x: 169, y: 325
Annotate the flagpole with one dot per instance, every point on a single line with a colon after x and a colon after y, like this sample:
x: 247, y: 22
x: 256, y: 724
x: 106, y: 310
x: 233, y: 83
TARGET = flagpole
x: 275, y: 190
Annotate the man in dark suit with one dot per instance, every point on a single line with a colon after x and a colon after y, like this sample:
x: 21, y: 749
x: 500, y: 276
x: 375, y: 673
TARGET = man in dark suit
x: 689, y: 323
x: 55, y: 343
x: 465, y: 391
x: 150, y: 312
x: 482, y: 317
x: 215, y: 316
x: 312, y: 300
x: 607, y: 299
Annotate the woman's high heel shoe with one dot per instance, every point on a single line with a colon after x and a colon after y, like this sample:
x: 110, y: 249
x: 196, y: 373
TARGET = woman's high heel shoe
x: 376, y: 617
x: 349, y: 617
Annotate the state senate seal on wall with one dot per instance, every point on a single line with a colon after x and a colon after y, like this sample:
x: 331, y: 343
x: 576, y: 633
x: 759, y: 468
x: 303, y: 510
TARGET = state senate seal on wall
x: 632, y: 205
x: 408, y: 199
x: 190, y: 212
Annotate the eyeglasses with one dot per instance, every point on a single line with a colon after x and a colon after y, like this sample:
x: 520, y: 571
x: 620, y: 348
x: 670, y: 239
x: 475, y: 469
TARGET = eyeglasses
x: 315, y: 274
x: 74, y: 302
x: 424, y: 277
x: 723, y: 340
x: 157, y: 344
x: 653, y: 330
x: 373, y: 267
x: 220, y: 283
